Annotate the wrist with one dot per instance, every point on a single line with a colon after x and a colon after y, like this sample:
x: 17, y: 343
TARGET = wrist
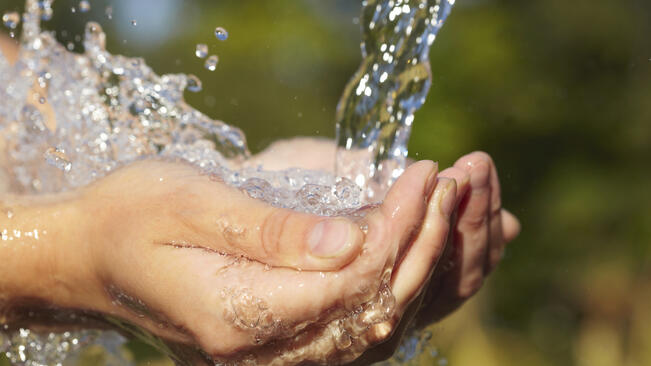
x: 42, y: 251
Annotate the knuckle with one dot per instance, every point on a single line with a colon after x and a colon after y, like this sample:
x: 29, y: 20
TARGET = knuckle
x: 471, y: 285
x: 473, y: 223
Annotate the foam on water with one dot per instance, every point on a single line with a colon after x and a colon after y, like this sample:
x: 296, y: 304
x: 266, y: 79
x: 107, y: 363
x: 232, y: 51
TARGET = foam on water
x: 104, y: 111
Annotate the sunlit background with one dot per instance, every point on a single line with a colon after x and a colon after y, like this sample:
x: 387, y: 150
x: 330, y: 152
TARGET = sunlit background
x: 557, y: 91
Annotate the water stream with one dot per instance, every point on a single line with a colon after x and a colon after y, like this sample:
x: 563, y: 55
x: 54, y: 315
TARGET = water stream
x: 376, y: 111
x: 70, y: 119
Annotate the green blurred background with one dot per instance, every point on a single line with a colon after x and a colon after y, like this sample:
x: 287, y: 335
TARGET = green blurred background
x: 557, y: 91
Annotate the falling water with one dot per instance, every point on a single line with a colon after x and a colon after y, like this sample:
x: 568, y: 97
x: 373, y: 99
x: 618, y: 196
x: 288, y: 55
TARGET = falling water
x: 376, y: 110
x: 108, y: 110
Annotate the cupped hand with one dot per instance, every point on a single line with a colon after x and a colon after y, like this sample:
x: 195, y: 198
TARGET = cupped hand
x: 453, y: 251
x: 199, y: 263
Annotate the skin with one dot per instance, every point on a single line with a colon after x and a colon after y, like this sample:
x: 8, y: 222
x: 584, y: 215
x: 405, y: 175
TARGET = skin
x: 451, y: 255
x: 169, y: 249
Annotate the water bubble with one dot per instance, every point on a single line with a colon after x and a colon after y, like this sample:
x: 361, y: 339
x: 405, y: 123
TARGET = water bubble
x: 58, y: 159
x: 211, y: 63
x: 33, y: 119
x: 193, y: 83
x: 257, y: 188
x: 137, y: 107
x: 46, y: 14
x: 84, y: 6
x: 221, y: 34
x: 11, y: 19
x: 201, y: 51
x: 46, y: 9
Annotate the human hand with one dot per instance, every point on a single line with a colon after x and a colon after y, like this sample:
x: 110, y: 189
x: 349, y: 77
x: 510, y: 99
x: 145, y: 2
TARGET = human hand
x: 133, y: 274
x: 479, y: 230
x: 477, y: 240
x: 199, y: 263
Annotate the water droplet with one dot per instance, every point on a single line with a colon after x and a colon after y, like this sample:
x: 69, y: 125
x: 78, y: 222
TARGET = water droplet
x: 10, y: 213
x: 58, y: 158
x: 193, y: 83
x: 211, y: 63
x: 11, y: 19
x: 221, y: 34
x: 41, y: 100
x: 46, y: 9
x: 257, y: 188
x: 84, y: 6
x: 201, y: 51
x: 134, y: 22
x: 109, y: 12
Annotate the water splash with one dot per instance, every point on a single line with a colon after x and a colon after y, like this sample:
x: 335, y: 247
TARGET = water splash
x: 376, y: 110
x: 109, y: 110
x: 11, y: 19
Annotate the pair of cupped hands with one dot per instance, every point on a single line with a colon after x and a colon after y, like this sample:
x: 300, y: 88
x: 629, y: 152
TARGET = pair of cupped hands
x: 192, y: 260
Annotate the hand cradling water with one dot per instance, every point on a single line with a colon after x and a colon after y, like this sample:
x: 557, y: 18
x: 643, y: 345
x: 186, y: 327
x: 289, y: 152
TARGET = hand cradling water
x: 112, y: 110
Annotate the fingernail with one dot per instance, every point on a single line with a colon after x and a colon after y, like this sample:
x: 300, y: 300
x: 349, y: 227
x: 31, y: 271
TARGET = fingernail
x: 330, y: 237
x: 431, y: 180
x: 447, y: 198
x: 479, y: 174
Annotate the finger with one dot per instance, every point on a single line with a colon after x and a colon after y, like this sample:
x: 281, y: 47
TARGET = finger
x: 415, y: 269
x: 510, y: 226
x: 472, y: 234
x: 213, y: 295
x: 496, y: 240
x: 462, y: 179
x: 405, y: 204
x: 226, y: 220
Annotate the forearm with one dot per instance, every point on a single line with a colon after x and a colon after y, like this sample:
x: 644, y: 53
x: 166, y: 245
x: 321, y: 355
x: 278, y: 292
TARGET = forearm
x: 41, y: 256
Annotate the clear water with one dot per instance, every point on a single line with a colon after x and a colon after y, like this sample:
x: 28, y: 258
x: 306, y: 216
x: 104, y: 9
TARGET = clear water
x: 111, y: 110
x: 376, y: 110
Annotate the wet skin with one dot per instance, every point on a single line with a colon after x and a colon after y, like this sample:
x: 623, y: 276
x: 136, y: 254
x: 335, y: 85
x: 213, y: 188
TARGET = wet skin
x: 196, y: 262
x: 450, y: 257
